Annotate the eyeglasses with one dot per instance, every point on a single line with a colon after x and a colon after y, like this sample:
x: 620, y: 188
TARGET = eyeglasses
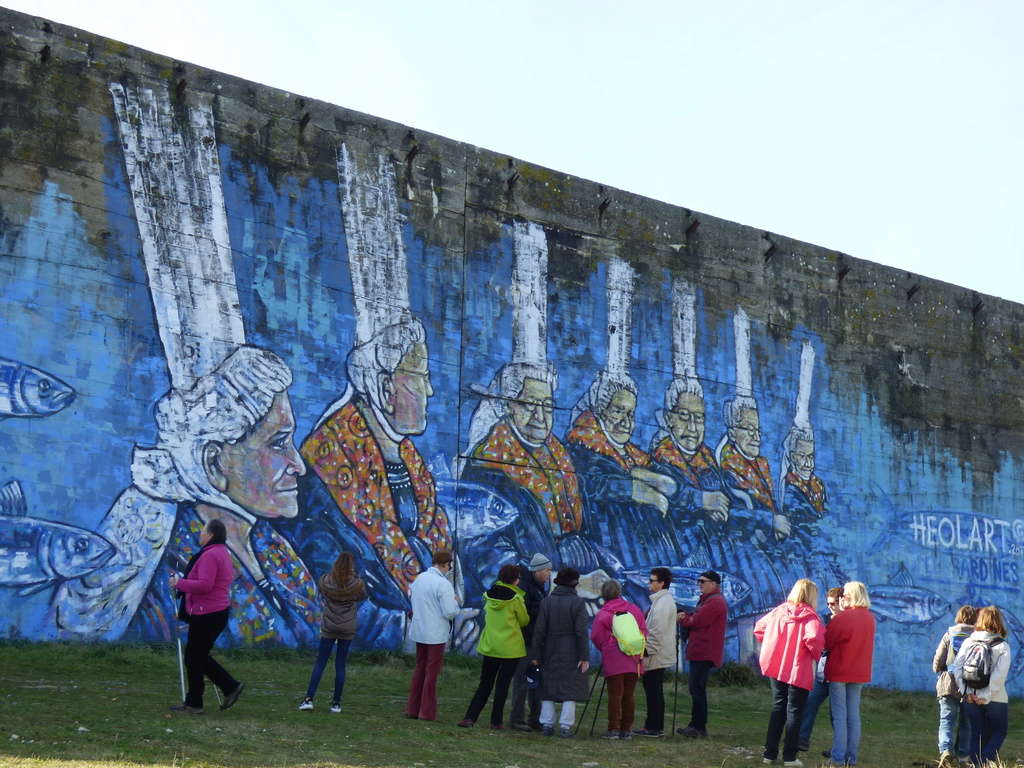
x: 832, y: 603
x: 653, y: 580
x: 703, y: 581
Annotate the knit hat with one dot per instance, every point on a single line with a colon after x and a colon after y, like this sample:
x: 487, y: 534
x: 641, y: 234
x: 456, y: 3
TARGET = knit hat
x: 567, y: 577
x: 540, y: 562
x: 712, y: 576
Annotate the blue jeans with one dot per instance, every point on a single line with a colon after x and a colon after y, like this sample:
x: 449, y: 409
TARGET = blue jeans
x: 322, y: 657
x: 951, y: 710
x: 988, y: 724
x: 844, y: 700
x: 818, y: 695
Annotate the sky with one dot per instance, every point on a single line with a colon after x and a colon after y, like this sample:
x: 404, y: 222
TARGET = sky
x: 889, y: 131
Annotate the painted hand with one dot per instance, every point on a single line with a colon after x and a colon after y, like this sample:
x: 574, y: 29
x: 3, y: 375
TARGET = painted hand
x: 781, y: 527
x: 645, y: 493
x: 467, y: 631
x: 716, y: 504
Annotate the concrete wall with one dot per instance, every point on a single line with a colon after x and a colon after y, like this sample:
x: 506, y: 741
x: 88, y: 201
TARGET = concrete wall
x: 340, y: 333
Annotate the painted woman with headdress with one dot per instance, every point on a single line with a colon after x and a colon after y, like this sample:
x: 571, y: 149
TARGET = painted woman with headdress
x: 225, y: 446
x: 512, y: 448
x: 626, y: 497
x: 369, y: 490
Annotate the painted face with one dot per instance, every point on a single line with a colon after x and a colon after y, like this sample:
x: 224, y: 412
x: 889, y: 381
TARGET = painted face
x: 533, y: 410
x: 262, y: 470
x: 617, y: 417
x: 409, y: 393
x: 686, y: 420
x: 746, y: 434
x: 802, y: 459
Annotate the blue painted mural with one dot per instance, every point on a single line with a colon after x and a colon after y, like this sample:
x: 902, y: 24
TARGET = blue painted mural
x: 300, y: 361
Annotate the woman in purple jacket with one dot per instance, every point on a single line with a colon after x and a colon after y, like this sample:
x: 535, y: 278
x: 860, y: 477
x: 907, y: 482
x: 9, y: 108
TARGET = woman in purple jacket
x: 620, y: 671
x: 206, y: 585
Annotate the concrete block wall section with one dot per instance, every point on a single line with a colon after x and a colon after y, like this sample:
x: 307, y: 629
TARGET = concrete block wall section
x: 341, y: 333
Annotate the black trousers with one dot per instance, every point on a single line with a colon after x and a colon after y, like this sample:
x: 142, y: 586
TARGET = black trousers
x: 787, y: 712
x: 495, y: 674
x: 203, y: 631
x: 655, y: 694
x: 521, y: 693
x: 699, y: 673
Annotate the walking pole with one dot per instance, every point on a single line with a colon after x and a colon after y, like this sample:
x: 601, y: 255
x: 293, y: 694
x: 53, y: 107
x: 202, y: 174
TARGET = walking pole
x: 597, y: 707
x: 593, y: 685
x: 181, y: 668
x: 675, y: 683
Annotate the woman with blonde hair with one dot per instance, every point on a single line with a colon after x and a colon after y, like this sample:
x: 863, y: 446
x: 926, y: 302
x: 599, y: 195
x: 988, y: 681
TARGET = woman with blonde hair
x: 850, y: 642
x: 954, y: 728
x: 792, y: 638
x: 985, y: 700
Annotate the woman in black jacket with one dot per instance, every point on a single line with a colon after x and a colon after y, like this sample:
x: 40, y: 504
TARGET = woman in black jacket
x: 561, y: 649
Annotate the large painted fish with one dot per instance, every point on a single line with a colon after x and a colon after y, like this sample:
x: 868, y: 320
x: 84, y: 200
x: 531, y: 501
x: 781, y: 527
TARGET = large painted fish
x: 35, y: 553
x: 28, y: 392
x: 902, y: 602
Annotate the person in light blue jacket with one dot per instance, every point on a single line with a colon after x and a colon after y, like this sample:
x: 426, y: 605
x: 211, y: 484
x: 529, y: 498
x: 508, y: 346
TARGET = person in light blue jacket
x: 434, y: 605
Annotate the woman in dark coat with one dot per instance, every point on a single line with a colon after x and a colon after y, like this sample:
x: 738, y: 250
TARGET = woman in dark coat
x: 342, y: 592
x: 561, y: 650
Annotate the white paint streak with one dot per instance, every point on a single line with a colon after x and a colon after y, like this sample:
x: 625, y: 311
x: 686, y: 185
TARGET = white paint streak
x: 174, y: 175
x: 376, y: 252
x: 802, y: 419
x: 529, y: 294
x: 741, y: 331
x: 620, y: 316
x: 684, y: 330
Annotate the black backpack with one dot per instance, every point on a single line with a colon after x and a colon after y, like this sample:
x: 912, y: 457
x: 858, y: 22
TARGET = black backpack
x: 977, y: 664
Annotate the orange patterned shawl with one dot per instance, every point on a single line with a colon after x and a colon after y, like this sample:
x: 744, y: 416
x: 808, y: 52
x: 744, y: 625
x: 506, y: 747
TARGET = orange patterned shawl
x: 754, y: 477
x: 692, y: 467
x: 588, y: 433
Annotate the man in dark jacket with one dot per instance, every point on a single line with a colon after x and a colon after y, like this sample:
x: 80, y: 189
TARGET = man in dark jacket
x: 535, y: 585
x: 705, y: 648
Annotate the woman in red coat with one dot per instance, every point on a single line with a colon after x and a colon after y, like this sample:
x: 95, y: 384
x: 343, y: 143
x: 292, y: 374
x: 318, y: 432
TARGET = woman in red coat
x: 850, y: 642
x: 792, y: 638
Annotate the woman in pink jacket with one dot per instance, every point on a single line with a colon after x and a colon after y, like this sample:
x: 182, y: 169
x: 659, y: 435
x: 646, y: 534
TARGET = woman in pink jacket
x: 620, y: 671
x: 792, y: 638
x: 206, y: 585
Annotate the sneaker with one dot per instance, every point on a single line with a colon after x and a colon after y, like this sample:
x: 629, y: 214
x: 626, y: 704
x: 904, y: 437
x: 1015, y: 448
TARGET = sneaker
x: 306, y: 705
x: 610, y: 735
x: 767, y: 760
x: 625, y: 735
x: 231, y: 698
x: 803, y: 746
x: 798, y: 763
x: 547, y: 730
x: 648, y: 733
x: 336, y: 707
x: 565, y: 732
x: 521, y: 727
x: 465, y: 723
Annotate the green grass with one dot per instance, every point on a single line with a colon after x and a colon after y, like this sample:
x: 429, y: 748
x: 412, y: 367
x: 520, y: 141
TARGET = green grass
x: 107, y: 706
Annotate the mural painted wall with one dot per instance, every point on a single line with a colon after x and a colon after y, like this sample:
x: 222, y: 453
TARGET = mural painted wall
x: 338, y: 333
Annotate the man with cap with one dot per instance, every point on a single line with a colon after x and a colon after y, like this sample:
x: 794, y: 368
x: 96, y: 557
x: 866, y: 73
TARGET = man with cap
x: 535, y: 585
x: 705, y: 648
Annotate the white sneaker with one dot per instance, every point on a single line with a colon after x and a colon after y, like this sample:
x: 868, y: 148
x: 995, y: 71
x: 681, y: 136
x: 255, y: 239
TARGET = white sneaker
x: 767, y: 760
x: 306, y: 705
x: 798, y: 763
x: 336, y: 707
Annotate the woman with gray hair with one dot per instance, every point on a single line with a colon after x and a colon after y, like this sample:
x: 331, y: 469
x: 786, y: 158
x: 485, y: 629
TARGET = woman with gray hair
x: 621, y: 671
x: 224, y: 452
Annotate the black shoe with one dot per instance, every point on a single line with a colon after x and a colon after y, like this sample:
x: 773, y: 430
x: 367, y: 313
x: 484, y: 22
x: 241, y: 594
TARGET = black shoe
x: 803, y: 746
x: 231, y: 698
x: 827, y: 753
x: 522, y: 727
x: 610, y: 735
x: 648, y: 733
x: 692, y: 733
x: 186, y: 708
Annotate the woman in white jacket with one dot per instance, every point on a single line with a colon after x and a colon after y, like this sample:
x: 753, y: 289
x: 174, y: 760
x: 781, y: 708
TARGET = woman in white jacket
x: 660, y: 651
x: 986, y: 707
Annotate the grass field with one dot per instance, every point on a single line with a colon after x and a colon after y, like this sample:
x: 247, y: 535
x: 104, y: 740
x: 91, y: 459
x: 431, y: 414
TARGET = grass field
x: 107, y: 706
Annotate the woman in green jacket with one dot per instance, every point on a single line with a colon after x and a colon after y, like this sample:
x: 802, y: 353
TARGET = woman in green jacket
x: 501, y: 645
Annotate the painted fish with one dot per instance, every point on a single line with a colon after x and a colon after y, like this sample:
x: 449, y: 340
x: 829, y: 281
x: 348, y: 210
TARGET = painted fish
x: 35, y: 553
x: 28, y: 392
x: 902, y: 602
x: 684, y: 587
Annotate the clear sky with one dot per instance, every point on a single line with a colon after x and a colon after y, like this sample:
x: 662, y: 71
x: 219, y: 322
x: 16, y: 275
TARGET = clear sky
x: 892, y: 131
